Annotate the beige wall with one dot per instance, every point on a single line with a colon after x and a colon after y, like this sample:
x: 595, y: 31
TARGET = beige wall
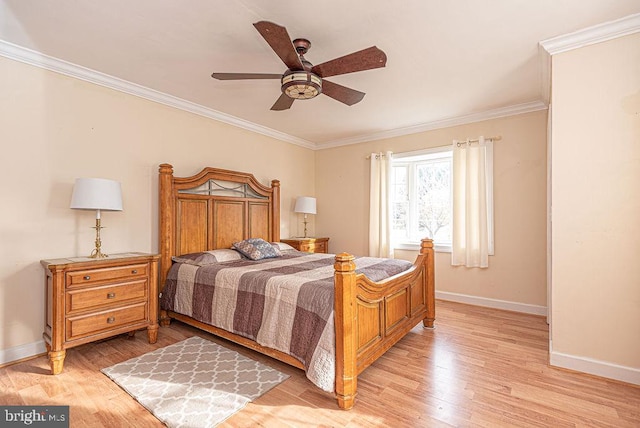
x: 517, y: 272
x: 596, y: 203
x: 54, y: 129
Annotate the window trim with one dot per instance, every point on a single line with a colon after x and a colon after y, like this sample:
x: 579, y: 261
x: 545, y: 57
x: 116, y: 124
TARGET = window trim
x: 411, y: 246
x: 421, y: 152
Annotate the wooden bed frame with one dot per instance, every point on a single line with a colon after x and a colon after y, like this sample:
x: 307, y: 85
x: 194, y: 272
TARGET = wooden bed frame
x: 198, y: 214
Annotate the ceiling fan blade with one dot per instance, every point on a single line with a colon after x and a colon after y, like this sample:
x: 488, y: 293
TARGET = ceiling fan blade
x: 365, y: 59
x: 280, y: 42
x: 245, y: 76
x: 282, y: 103
x: 341, y: 93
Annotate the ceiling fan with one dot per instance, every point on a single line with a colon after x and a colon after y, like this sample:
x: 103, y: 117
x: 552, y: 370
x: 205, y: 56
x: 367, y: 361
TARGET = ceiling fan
x: 303, y: 80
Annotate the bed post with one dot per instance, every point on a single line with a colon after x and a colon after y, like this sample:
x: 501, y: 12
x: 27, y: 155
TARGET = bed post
x: 275, y: 210
x: 345, y: 325
x: 166, y: 228
x: 426, y: 248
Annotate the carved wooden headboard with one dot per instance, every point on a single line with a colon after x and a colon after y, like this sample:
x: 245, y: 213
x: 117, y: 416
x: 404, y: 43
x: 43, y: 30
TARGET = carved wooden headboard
x: 213, y: 209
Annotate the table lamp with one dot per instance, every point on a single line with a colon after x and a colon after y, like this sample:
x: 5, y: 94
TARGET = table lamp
x: 97, y: 194
x: 305, y: 205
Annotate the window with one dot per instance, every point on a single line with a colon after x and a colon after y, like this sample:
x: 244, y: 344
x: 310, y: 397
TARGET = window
x: 421, y: 198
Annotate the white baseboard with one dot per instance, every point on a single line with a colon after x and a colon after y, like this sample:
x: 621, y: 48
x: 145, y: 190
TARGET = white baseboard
x: 492, y: 303
x: 595, y: 367
x: 23, y: 351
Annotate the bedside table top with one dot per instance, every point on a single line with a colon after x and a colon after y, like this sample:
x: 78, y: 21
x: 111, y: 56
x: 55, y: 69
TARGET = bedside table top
x: 112, y: 258
x: 308, y: 238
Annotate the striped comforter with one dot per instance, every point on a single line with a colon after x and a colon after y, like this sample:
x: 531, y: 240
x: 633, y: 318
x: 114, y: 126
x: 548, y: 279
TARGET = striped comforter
x: 284, y: 303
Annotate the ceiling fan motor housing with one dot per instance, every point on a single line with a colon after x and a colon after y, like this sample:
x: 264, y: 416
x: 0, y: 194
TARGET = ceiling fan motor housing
x: 301, y: 85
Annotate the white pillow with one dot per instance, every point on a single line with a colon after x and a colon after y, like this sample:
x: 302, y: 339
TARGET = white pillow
x: 208, y: 257
x: 283, y: 246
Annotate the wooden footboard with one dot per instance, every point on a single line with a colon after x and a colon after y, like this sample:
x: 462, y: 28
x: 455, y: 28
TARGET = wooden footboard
x: 371, y: 317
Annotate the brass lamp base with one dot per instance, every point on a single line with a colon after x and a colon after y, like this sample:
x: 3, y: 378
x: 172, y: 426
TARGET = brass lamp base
x: 305, y: 226
x: 97, y: 253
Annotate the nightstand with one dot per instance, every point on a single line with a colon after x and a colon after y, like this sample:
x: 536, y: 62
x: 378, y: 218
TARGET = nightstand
x: 310, y: 245
x: 92, y: 299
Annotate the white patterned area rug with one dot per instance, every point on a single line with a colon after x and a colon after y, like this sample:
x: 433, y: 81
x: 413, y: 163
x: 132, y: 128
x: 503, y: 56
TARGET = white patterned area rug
x: 194, y: 383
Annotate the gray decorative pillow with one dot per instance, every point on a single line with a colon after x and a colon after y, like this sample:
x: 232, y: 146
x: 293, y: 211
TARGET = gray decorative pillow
x: 208, y: 257
x: 257, y: 249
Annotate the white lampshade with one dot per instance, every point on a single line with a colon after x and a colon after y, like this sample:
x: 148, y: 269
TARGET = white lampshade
x: 96, y: 194
x: 305, y: 204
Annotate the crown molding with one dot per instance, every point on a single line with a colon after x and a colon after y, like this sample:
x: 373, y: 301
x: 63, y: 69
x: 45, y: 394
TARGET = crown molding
x: 31, y: 57
x: 592, y: 35
x: 439, y: 124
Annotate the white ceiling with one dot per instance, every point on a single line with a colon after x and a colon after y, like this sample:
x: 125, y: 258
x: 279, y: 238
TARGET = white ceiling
x: 446, y: 59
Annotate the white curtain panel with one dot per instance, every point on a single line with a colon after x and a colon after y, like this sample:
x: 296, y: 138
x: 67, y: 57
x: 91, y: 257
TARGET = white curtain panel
x: 470, y: 245
x: 379, y: 206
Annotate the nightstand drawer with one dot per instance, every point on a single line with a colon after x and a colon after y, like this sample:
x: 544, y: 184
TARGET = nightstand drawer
x: 81, y: 326
x: 92, y: 276
x: 81, y: 299
x: 309, y: 245
x: 315, y: 247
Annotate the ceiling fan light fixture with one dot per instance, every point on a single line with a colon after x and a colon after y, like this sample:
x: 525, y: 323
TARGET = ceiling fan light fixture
x: 301, y: 85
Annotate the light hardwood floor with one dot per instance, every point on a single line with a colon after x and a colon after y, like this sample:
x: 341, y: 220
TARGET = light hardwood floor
x: 479, y: 367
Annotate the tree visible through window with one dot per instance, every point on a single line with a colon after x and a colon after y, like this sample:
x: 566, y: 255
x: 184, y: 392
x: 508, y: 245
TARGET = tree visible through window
x: 421, y: 197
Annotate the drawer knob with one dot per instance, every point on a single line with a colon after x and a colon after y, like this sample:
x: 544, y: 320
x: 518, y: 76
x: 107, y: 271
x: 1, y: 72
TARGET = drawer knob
x: 86, y: 277
x: 111, y: 320
x: 134, y: 271
x: 111, y: 295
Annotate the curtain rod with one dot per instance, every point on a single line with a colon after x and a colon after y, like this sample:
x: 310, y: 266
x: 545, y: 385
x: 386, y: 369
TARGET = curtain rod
x: 459, y: 144
x: 471, y: 141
